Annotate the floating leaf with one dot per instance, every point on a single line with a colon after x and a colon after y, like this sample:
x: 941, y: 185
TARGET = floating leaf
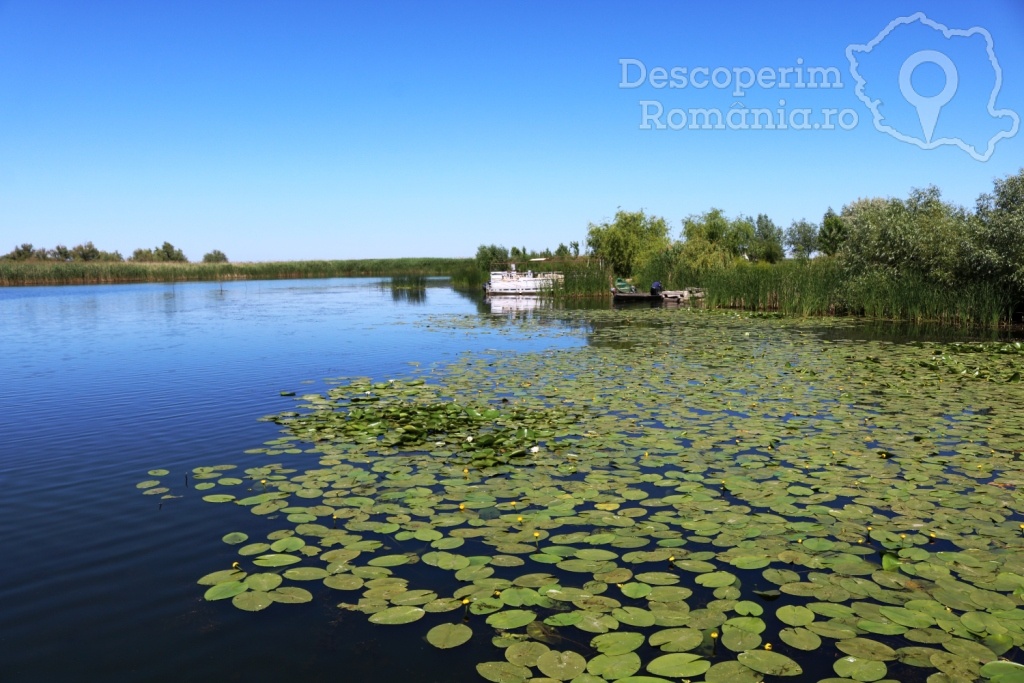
x: 770, y: 663
x: 447, y: 636
x: 513, y: 618
x: 404, y: 614
x: 561, y: 666
x: 678, y: 665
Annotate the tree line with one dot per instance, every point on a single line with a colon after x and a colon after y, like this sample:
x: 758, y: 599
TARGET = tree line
x: 165, y: 253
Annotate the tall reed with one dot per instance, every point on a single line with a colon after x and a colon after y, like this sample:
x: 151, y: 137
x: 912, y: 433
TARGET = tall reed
x: 102, y: 272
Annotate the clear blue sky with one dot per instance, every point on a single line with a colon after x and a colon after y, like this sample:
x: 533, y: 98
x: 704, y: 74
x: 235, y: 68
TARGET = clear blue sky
x: 295, y: 130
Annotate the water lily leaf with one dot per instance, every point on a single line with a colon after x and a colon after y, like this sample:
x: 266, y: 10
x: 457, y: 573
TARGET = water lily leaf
x: 800, y: 638
x: 770, y: 663
x: 739, y: 640
x: 525, y: 653
x: 221, y: 576
x: 676, y: 639
x: 617, y: 643
x: 794, y: 615
x: 503, y: 672
x: 1003, y: 672
x: 290, y: 595
x: 513, y: 618
x: 731, y: 672
x: 561, y: 666
x: 305, y: 573
x: 287, y: 545
x: 447, y: 636
x: 613, y: 667
x: 252, y: 601
x: 263, y: 582
x: 235, y: 537
x: 222, y: 591
x: 715, y: 579
x: 403, y: 614
x: 865, y: 648
x: 276, y: 560
x: 678, y: 665
x: 860, y: 669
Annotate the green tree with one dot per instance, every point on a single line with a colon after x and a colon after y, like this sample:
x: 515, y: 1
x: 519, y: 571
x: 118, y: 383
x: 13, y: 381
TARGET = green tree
x: 85, y: 252
x: 802, y: 238
x: 20, y: 253
x: 60, y: 253
x: 575, y: 246
x: 142, y: 255
x: 832, y: 233
x: 624, y: 242
x: 167, y: 252
x: 491, y: 256
x: 767, y: 243
x: 562, y: 251
x: 215, y: 256
x: 999, y: 235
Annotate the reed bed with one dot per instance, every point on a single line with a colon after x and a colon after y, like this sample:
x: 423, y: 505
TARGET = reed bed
x: 821, y: 287
x: 103, y: 272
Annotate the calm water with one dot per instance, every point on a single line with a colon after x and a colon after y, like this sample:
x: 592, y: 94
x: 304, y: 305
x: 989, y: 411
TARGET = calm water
x: 101, y: 384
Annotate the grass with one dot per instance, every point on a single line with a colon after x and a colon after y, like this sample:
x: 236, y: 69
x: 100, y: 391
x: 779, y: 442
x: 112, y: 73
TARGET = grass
x: 97, y: 272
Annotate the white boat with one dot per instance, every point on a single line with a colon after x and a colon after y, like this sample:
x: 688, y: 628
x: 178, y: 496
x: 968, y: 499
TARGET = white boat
x: 515, y: 282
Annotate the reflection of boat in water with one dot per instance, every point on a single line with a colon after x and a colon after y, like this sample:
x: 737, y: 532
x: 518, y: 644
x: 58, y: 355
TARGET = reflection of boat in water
x: 516, y: 304
x: 504, y: 282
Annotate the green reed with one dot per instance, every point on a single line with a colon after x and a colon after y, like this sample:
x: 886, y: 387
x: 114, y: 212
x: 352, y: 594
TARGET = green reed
x: 104, y: 272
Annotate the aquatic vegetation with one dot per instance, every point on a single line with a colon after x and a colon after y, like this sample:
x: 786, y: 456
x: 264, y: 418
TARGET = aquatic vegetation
x: 691, y: 494
x: 103, y: 272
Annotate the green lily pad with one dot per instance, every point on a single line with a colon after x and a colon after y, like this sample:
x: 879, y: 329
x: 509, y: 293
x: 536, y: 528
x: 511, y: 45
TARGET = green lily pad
x: 403, y: 614
x: 770, y: 663
x: 503, y: 672
x: 678, y: 665
x: 617, y: 643
x: 447, y: 636
x: 561, y: 666
x: 222, y: 591
x: 513, y: 618
x: 252, y: 601
x: 860, y: 669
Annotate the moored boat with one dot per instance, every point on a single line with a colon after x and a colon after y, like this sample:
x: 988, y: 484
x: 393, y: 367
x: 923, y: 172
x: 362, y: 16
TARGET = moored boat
x: 512, y: 281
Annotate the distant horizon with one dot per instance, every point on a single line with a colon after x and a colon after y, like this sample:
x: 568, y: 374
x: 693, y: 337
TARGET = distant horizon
x: 358, y: 131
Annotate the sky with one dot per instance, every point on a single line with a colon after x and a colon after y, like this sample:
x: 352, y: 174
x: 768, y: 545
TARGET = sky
x: 343, y: 130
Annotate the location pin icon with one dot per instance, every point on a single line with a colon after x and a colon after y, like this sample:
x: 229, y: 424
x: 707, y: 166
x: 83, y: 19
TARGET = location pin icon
x: 928, y: 108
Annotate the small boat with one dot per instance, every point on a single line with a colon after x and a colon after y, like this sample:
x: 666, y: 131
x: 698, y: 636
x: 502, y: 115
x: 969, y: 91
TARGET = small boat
x: 623, y: 292
x: 511, y: 281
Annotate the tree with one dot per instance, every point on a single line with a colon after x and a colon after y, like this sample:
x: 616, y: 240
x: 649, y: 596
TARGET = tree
x: 489, y: 256
x: 624, y: 242
x: 832, y: 234
x: 85, y: 252
x: 767, y: 243
x: 60, y: 253
x: 21, y: 253
x: 562, y: 251
x: 1000, y: 234
x: 215, y: 256
x: 802, y: 238
x: 165, y: 252
x: 575, y: 246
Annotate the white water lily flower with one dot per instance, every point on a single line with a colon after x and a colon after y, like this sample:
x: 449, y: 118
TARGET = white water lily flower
x: 535, y: 449
x: 469, y: 439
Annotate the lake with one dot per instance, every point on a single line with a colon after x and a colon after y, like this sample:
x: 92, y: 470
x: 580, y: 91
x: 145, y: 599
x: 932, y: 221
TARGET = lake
x: 726, y: 465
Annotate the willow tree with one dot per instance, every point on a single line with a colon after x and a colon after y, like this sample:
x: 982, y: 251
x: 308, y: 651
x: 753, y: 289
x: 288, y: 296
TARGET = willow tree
x: 627, y: 240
